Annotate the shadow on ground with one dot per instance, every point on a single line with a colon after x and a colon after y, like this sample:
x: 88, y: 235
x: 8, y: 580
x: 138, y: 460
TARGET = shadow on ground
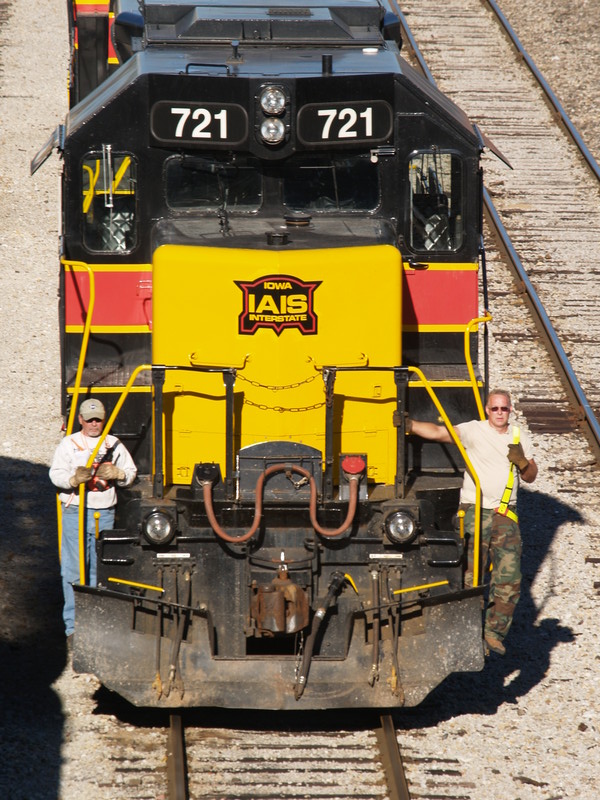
x: 32, y: 645
x: 530, y: 642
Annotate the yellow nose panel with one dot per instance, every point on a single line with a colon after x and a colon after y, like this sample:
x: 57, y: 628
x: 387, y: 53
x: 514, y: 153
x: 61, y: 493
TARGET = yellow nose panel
x: 278, y: 317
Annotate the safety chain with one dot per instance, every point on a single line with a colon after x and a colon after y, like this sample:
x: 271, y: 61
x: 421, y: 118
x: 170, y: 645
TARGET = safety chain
x: 281, y: 409
x: 277, y: 388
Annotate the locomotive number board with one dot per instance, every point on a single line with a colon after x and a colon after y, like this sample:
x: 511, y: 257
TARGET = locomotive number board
x: 198, y: 123
x: 355, y: 122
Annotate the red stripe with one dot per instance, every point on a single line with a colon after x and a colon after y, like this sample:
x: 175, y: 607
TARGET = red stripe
x: 111, y: 48
x: 440, y: 297
x: 122, y: 298
x: 435, y: 297
x: 91, y: 8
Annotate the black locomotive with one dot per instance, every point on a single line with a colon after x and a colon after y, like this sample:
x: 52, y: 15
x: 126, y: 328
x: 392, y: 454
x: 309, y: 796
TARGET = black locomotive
x: 271, y: 252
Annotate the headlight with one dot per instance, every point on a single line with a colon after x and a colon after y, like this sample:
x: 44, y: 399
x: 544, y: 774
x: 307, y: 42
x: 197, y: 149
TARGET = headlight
x: 158, y: 528
x: 272, y: 130
x: 400, y: 527
x: 272, y: 100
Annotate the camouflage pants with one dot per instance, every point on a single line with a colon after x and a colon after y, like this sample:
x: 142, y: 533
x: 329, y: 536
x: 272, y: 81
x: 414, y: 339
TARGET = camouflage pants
x: 501, y: 548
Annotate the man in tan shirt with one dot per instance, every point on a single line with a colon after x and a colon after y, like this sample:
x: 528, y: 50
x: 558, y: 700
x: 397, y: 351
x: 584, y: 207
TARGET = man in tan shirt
x: 495, y: 449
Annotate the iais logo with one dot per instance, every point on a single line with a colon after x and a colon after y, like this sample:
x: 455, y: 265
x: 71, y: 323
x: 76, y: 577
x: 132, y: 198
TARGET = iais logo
x: 278, y: 302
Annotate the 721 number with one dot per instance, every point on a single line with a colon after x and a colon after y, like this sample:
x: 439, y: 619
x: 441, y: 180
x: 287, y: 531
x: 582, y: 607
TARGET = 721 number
x: 348, y: 121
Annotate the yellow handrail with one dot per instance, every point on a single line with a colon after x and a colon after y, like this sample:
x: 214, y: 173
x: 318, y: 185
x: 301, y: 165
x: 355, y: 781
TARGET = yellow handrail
x: 93, y: 179
x: 105, y: 431
x: 143, y: 367
x: 457, y: 442
x: 79, y: 373
x: 469, y: 361
x: 85, y: 340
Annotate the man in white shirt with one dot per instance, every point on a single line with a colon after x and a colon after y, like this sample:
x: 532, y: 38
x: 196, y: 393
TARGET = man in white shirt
x: 113, y: 467
x: 500, y: 454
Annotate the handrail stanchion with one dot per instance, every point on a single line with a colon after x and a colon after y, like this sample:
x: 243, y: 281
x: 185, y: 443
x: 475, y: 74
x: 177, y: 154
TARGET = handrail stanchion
x: 401, y: 381
x: 229, y: 381
x: 329, y: 376
x: 74, y: 403
x: 158, y: 381
x: 469, y: 360
x: 85, y: 340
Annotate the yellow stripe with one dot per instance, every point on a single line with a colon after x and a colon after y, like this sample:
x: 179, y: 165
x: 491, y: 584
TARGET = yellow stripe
x: 412, y: 385
x: 110, y: 389
x: 445, y: 267
x: 418, y: 588
x: 110, y: 329
x: 78, y: 267
x: 138, y: 585
x: 148, y: 267
x: 433, y: 328
x: 444, y: 384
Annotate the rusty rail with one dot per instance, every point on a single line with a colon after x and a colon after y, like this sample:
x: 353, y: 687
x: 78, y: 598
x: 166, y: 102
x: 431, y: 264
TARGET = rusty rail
x: 392, y: 759
x: 176, y: 760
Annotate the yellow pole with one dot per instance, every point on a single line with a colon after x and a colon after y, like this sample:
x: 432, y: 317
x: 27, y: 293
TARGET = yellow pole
x: 469, y: 361
x: 74, y: 402
x: 461, y: 522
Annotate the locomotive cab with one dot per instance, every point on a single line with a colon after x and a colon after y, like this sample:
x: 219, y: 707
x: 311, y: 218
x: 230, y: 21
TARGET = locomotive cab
x: 271, y: 248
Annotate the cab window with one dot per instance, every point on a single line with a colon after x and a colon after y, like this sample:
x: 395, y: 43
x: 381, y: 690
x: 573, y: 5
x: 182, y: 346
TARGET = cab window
x: 331, y: 183
x: 207, y: 183
x: 436, y: 201
x: 108, y: 201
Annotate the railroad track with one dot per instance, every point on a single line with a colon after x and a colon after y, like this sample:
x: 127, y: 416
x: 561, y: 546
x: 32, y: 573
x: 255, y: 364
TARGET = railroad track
x: 278, y: 764
x: 543, y: 217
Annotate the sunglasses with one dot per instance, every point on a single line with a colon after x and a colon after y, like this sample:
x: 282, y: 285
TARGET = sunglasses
x: 500, y: 408
x: 94, y: 419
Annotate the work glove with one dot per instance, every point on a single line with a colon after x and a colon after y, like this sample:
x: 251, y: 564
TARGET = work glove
x: 82, y: 475
x: 517, y: 456
x: 109, y: 472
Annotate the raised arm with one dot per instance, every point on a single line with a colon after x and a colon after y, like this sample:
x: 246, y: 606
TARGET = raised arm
x: 428, y: 430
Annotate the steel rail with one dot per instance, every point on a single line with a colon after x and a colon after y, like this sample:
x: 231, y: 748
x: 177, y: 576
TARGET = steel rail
x: 391, y: 758
x: 552, y: 98
x: 176, y: 760
x: 576, y: 394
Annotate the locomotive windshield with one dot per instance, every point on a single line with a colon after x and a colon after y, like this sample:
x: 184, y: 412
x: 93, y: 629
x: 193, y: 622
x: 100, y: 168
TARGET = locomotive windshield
x: 321, y: 183
x: 331, y: 183
x: 205, y: 183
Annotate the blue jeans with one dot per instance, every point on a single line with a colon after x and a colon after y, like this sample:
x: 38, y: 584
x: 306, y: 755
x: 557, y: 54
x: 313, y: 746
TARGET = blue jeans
x: 69, y: 556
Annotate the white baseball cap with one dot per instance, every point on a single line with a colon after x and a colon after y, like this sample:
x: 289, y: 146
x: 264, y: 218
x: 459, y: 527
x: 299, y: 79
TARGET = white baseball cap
x: 92, y: 409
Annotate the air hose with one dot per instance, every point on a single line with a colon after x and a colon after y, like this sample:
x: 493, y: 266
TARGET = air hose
x: 337, y: 581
